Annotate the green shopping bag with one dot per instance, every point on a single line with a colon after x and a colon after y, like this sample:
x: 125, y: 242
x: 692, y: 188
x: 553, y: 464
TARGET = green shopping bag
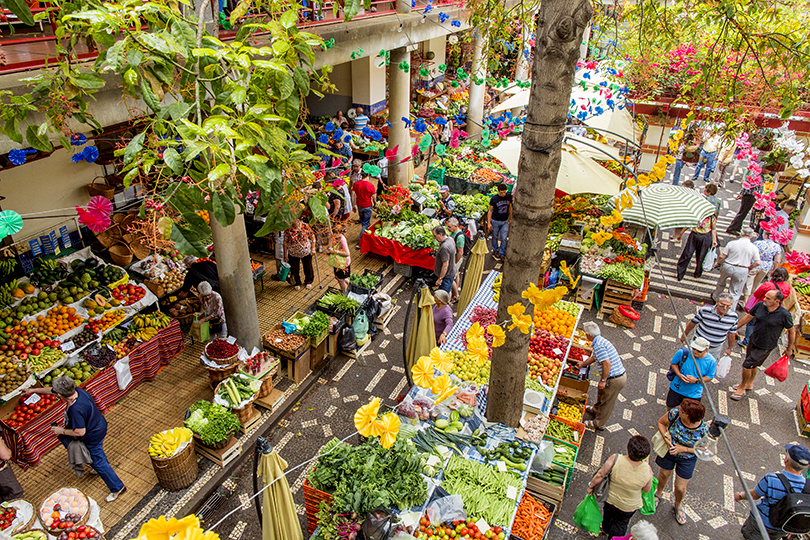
x: 648, y: 498
x: 587, y: 516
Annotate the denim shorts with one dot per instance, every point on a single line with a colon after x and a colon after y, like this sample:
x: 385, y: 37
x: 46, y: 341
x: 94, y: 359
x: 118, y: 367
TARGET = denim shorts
x: 684, y: 465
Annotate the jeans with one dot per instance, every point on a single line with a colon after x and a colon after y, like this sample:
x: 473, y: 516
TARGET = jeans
x: 676, y: 174
x: 447, y: 284
x: 100, y: 464
x: 500, y: 229
x: 710, y: 159
x: 365, y: 219
x: 749, y: 330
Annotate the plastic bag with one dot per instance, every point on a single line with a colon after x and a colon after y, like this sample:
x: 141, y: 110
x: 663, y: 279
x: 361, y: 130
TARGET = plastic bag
x: 779, y: 370
x: 200, y: 331
x: 711, y: 258
x: 723, y: 367
x: 446, y: 510
x: 587, y: 515
x: 648, y: 499
x: 122, y: 373
x: 346, y: 340
x: 360, y: 326
x: 379, y: 525
x: 544, y: 456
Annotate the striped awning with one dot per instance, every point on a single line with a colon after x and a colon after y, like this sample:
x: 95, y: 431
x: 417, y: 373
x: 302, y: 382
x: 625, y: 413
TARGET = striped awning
x: 667, y: 207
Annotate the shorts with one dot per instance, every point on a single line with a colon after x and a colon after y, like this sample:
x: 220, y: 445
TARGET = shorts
x: 343, y: 274
x: 684, y: 466
x: 755, y: 357
x: 674, y: 399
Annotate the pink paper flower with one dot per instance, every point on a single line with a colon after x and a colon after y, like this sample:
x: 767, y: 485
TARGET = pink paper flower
x: 798, y: 259
x: 96, y: 215
x: 770, y: 211
x: 763, y: 200
x: 782, y: 237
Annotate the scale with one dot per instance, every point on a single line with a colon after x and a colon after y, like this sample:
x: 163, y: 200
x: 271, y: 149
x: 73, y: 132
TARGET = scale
x: 419, y: 200
x: 429, y: 212
x: 570, y: 242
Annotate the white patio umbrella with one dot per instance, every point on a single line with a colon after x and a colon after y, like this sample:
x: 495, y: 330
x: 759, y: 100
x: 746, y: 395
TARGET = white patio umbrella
x: 578, y: 173
x: 667, y: 207
x: 520, y: 99
x: 618, y: 121
x: 591, y: 148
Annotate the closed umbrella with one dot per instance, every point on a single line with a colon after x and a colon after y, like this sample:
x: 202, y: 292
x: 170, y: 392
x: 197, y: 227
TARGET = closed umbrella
x: 472, y: 277
x: 279, y: 519
x: 423, y: 336
x: 667, y: 207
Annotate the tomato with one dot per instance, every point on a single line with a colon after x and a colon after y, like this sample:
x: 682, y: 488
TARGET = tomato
x: 497, y: 530
x: 464, y: 532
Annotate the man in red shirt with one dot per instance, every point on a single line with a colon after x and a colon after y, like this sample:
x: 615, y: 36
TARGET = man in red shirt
x: 363, y: 197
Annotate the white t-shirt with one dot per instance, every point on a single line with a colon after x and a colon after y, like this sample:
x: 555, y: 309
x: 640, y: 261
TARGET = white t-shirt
x: 741, y: 252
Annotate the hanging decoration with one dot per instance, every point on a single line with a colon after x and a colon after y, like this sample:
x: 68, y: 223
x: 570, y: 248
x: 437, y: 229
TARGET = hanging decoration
x: 372, y: 170
x: 420, y: 125
x: 424, y: 142
x: 428, y: 8
x: 456, y: 23
x: 18, y: 157
x: 78, y: 139
x: 442, y: 68
x: 443, y: 17
x: 328, y: 44
x: 10, y: 223
x: 96, y: 215
x: 405, y: 66
x: 357, y: 54
x: 424, y: 72
x: 89, y: 154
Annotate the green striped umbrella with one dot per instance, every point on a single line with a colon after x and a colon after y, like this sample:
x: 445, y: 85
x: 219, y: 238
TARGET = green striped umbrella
x: 667, y: 207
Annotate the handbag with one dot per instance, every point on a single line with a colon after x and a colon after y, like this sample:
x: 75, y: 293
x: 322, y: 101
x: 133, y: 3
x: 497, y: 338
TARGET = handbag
x: 659, y: 444
x: 711, y: 258
x: 671, y: 372
x: 337, y: 261
x: 600, y: 490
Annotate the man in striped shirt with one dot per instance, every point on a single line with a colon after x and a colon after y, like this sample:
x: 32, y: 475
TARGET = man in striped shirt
x: 716, y: 324
x: 613, y: 377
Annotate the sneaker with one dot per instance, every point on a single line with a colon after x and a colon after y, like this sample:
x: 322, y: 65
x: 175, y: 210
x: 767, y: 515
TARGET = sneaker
x: 112, y: 496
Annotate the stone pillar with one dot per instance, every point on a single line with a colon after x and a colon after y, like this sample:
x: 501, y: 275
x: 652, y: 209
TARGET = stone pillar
x: 435, y: 50
x: 399, y: 89
x: 236, y: 282
x: 475, y: 112
x: 368, y: 85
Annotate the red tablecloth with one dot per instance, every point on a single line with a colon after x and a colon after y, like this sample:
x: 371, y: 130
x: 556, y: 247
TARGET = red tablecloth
x: 30, y: 442
x: 370, y: 242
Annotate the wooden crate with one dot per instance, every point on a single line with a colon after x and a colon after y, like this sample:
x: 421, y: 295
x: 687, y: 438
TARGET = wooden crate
x: 267, y: 402
x: 804, y: 425
x: 222, y: 456
x: 588, y: 302
x: 616, y: 294
x: 252, y: 421
x: 357, y: 353
x: 382, y: 322
x: 548, y: 491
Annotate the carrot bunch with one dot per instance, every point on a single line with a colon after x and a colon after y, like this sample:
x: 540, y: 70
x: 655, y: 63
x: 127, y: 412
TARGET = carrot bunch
x: 532, y: 519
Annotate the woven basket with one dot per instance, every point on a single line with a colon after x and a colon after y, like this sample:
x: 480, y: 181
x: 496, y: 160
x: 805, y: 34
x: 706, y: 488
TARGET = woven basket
x: 267, y: 384
x: 622, y: 320
x: 102, y: 189
x: 221, y: 361
x: 216, y: 375
x: 245, y: 413
x: 57, y: 532
x: 120, y: 254
x: 139, y: 249
x: 111, y: 235
x: 177, y: 472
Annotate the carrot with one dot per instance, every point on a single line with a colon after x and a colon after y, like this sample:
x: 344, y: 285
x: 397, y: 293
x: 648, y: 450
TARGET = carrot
x: 531, y: 519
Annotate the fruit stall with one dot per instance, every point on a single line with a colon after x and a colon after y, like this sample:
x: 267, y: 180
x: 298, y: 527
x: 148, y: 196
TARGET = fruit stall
x: 65, y: 514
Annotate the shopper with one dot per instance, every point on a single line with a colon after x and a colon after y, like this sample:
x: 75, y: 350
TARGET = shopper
x: 340, y: 121
x: 213, y: 310
x: 701, y: 238
x: 299, y: 247
x: 363, y: 199
x: 382, y: 183
x: 457, y: 234
x: 343, y: 151
x: 770, y: 255
x: 445, y: 265
x: 681, y: 428
x: 340, y: 258
x: 83, y: 421
x: 678, y: 234
x: 724, y: 157
x: 716, y: 324
x: 360, y: 119
x: 629, y: 476
x: 356, y: 173
x: 612, y: 376
x: 686, y: 383
x: 336, y: 204
x: 773, y: 488
x: 199, y: 271
x: 446, y: 203
x: 785, y: 209
x: 442, y: 316
x: 343, y: 189
x: 770, y: 318
x: 747, y: 198
x: 779, y: 280
x: 738, y: 259
x: 10, y: 488
x: 499, y: 218
x: 708, y: 155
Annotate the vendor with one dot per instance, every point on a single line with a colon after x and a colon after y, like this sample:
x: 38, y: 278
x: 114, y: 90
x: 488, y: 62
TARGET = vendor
x: 360, y: 119
x: 199, y: 271
x: 446, y: 202
x: 340, y: 121
x: 442, y: 316
x: 344, y: 155
x: 212, y: 310
x: 10, y: 488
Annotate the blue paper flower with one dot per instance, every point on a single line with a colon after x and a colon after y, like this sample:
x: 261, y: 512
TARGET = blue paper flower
x: 323, y: 139
x: 75, y: 158
x: 347, y: 139
x: 443, y: 17
x: 18, y: 157
x: 78, y: 139
x: 330, y: 127
x: 456, y: 24
x: 420, y: 125
x: 366, y: 131
x: 90, y: 154
x: 610, y: 103
x: 508, y: 114
x: 439, y: 120
x: 413, y: 4
x: 582, y: 115
x: 302, y: 133
x: 586, y: 75
x: 428, y: 8
x: 407, y: 122
x: 599, y: 110
x: 338, y: 133
x: 376, y: 135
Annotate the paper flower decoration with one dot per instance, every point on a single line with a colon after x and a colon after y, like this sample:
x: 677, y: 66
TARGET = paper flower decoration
x: 10, y: 223
x: 407, y: 122
x: 347, y: 138
x: 532, y: 294
x: 404, y: 66
x: 441, y: 149
x: 457, y: 24
x: 520, y: 320
x: 389, y: 425
x: 442, y: 67
x: 443, y: 17
x: 330, y: 127
x: 497, y: 333
x: 338, y: 133
x: 365, y: 417
x: 328, y: 44
x: 601, y: 237
x: 323, y: 139
x: 78, y: 139
x: 428, y: 8
x: 454, y: 84
x: 187, y: 528
x: 477, y: 349
x: 96, y: 215
x: 424, y: 142
x: 424, y: 72
x: 372, y: 170
x: 392, y: 152
x: 90, y: 154
x: 18, y: 157
x: 475, y: 330
x: 422, y: 372
x: 441, y: 360
x: 357, y: 54
x: 420, y: 125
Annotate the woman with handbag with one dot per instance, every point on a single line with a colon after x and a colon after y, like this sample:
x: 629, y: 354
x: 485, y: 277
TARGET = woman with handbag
x: 299, y: 247
x: 340, y: 258
x: 674, y: 444
x: 620, y: 482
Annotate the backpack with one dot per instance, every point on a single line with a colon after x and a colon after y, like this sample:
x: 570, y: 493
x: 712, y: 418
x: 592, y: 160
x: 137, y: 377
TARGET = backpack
x: 468, y: 243
x: 791, y: 513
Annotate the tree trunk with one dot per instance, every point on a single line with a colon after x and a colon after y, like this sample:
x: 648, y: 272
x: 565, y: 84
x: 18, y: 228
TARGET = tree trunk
x: 560, y: 25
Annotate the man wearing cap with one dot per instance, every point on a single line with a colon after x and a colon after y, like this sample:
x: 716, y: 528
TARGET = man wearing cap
x: 686, y: 383
x: 446, y: 203
x: 612, y: 380
x: 771, y: 489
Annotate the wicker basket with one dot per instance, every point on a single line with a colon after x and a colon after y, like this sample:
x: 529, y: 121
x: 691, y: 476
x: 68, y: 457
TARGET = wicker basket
x: 57, y: 532
x: 267, y: 384
x: 139, y: 249
x: 120, y: 254
x: 621, y: 319
x: 216, y: 375
x: 177, y: 472
x: 218, y: 446
x: 221, y: 361
x: 111, y: 235
x: 102, y: 188
x: 245, y: 413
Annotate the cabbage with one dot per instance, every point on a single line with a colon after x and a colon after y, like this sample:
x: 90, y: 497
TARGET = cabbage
x: 197, y: 421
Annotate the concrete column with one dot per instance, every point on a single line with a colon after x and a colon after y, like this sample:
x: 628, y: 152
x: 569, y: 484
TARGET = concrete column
x: 438, y: 48
x: 475, y: 112
x: 236, y: 282
x: 368, y: 85
x: 399, y: 89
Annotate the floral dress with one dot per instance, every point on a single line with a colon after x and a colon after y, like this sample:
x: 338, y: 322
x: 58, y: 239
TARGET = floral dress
x: 300, y: 243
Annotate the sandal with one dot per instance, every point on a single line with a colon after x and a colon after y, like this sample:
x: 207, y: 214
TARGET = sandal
x: 657, y: 501
x: 298, y: 287
x: 736, y: 397
x: 680, y: 516
x: 309, y: 285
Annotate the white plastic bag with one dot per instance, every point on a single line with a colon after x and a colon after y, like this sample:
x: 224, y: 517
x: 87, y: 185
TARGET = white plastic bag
x: 544, y: 456
x: 711, y: 258
x: 123, y: 373
x: 723, y: 367
x: 446, y: 510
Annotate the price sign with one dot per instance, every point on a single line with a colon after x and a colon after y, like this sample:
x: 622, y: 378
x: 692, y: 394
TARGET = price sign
x: 432, y: 460
x: 557, y: 351
x: 482, y: 525
x: 278, y: 340
x: 231, y: 340
x: 68, y: 346
x: 511, y: 492
x: 501, y: 466
x: 33, y: 398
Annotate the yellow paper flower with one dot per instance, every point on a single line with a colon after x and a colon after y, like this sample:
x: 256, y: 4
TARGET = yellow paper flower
x: 422, y: 372
x: 477, y: 349
x: 499, y: 336
x: 532, y: 294
x: 441, y: 384
x: 601, y: 237
x: 520, y: 320
x: 375, y: 429
x: 187, y: 528
x: 390, y: 427
x: 474, y: 330
x: 441, y: 360
x: 365, y: 416
x: 446, y: 394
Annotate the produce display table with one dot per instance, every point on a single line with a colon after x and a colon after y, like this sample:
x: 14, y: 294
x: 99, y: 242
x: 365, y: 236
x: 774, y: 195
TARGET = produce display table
x: 32, y: 441
x: 484, y: 298
x: 401, y: 254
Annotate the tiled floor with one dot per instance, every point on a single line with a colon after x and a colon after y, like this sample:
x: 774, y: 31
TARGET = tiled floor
x: 161, y: 404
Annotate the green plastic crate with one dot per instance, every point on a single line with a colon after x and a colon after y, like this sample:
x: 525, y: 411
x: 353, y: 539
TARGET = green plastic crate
x: 436, y: 174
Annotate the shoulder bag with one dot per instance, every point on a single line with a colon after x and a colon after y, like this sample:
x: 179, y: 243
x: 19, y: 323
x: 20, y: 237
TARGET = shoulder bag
x: 671, y: 372
x: 600, y: 490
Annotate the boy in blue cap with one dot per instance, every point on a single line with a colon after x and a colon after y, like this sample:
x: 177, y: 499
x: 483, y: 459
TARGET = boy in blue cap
x: 770, y: 489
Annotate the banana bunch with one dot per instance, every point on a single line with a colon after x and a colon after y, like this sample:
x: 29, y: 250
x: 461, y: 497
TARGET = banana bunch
x: 159, y: 320
x: 165, y: 444
x: 114, y: 336
x: 7, y: 266
x: 144, y: 334
x: 496, y: 288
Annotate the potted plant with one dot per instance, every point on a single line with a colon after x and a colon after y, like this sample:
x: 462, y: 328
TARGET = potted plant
x: 775, y: 160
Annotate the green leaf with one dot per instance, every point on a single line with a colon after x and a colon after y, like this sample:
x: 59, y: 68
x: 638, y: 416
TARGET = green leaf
x: 184, y: 34
x: 134, y: 57
x: 188, y: 241
x: 289, y: 108
x: 115, y: 56
x: 351, y: 9
x: 173, y: 160
x: 223, y: 209
x: 134, y: 147
x: 37, y: 141
x: 785, y: 112
x: 157, y: 43
x: 288, y: 19
x: 219, y: 171
x: 65, y: 142
x: 239, y: 11
x: 301, y: 79
x: 21, y: 9
x: 317, y: 204
x: 148, y: 96
x: 238, y: 94
x: 87, y: 80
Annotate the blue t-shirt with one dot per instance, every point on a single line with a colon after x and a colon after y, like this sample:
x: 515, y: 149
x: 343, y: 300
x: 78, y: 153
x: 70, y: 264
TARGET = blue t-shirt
x: 708, y: 366
x: 771, y: 490
x: 84, y: 414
